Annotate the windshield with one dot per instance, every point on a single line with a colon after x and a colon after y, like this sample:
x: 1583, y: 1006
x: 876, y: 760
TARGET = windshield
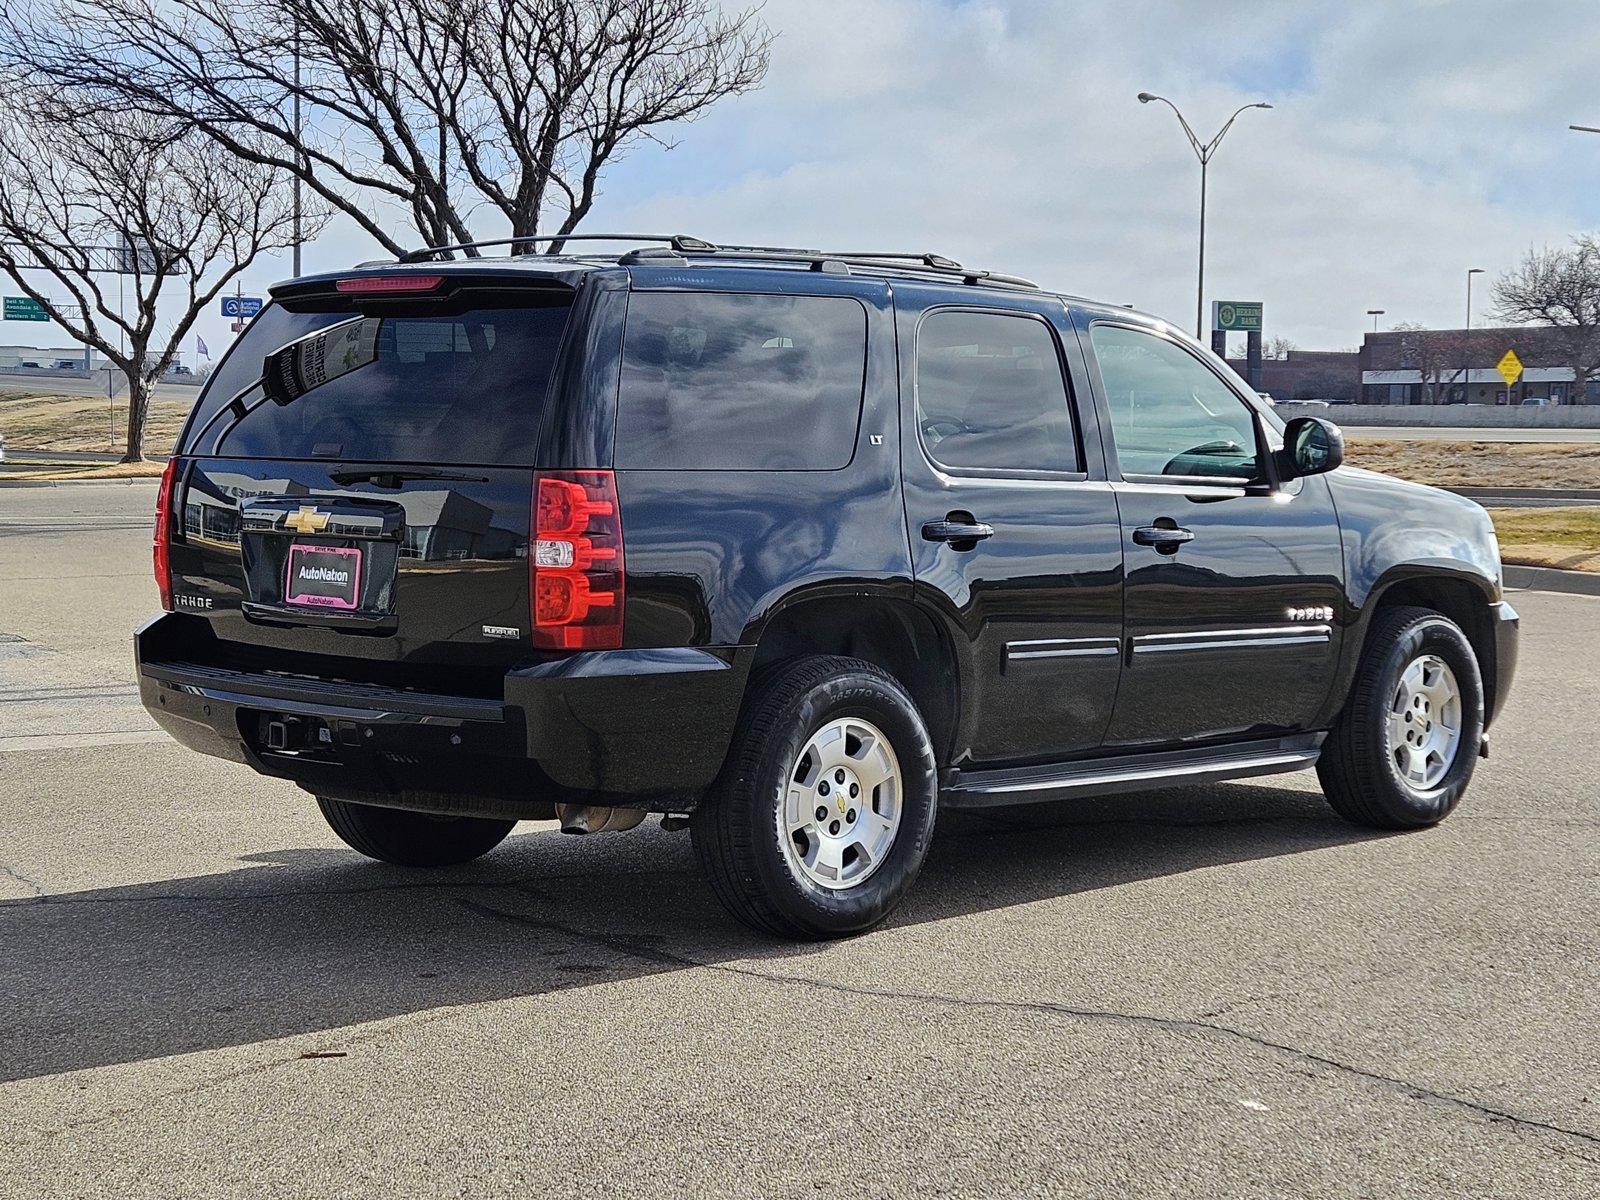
x: 465, y: 388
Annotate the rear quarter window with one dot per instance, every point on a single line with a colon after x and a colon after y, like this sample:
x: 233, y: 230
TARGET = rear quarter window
x: 715, y: 381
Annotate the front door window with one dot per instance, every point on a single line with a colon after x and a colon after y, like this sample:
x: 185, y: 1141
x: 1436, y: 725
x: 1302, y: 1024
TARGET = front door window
x: 1170, y: 416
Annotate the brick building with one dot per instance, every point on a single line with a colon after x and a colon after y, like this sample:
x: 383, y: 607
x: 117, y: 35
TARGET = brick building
x: 1425, y: 366
x: 1308, y: 375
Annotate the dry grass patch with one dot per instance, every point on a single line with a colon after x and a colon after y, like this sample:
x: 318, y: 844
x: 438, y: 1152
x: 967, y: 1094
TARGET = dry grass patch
x: 1481, y: 464
x: 144, y: 470
x: 1568, y: 538
x: 39, y: 422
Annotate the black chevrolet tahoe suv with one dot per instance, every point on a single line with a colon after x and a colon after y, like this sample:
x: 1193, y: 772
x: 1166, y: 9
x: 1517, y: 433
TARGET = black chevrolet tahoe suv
x: 794, y: 549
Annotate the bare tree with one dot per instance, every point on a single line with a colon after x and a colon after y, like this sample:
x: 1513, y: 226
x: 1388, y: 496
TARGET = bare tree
x: 1441, y: 356
x: 85, y: 198
x: 1278, y: 348
x: 1559, y: 287
x: 438, y: 108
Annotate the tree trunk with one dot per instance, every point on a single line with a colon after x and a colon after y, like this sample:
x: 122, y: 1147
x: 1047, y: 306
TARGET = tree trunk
x: 138, y: 409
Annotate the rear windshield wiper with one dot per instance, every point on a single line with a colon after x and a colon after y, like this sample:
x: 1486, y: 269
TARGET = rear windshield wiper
x: 389, y: 477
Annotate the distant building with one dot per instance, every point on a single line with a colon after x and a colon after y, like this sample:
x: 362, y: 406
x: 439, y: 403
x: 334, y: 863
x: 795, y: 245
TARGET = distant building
x: 12, y: 357
x: 1426, y: 366
x: 1308, y: 375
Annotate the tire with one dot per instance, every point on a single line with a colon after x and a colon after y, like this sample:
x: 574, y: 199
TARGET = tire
x: 1364, y: 766
x: 806, y: 724
x: 412, y: 839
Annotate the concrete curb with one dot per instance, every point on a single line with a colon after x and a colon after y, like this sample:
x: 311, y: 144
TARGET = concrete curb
x: 1550, y: 579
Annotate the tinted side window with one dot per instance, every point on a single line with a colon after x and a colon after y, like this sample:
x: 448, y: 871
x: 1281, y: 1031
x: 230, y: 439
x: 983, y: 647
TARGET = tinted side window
x: 1169, y: 414
x: 990, y: 394
x: 738, y: 382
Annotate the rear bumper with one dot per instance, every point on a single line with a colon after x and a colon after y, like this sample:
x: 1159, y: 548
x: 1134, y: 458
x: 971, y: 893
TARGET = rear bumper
x: 1507, y: 627
x: 643, y: 728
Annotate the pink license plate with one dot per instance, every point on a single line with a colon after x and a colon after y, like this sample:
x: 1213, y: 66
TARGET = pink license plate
x: 323, y: 576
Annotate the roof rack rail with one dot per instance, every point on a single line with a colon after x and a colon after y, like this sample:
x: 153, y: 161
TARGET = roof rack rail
x: 833, y: 260
x: 935, y: 262
x: 678, y: 241
x: 683, y: 245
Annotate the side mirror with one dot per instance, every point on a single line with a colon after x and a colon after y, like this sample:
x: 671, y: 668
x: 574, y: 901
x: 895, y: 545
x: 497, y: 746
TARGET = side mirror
x: 1310, y: 447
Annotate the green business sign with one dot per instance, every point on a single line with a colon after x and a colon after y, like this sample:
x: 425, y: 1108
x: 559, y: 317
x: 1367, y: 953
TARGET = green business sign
x: 24, y: 308
x: 1241, y: 315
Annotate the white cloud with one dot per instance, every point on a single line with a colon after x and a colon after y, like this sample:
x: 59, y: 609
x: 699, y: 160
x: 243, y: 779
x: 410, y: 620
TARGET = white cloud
x: 1408, y: 142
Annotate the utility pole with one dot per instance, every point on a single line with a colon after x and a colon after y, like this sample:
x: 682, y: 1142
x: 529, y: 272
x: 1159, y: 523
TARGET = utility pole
x: 1202, y: 151
x: 1466, y: 345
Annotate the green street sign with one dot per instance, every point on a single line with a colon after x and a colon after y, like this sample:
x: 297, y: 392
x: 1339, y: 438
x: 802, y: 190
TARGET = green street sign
x: 1239, y: 315
x: 24, y: 308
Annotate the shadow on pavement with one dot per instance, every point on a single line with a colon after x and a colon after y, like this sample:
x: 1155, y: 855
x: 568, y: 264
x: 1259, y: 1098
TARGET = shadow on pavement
x: 300, y: 941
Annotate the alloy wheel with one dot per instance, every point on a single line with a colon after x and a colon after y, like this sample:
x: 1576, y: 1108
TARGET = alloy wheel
x: 843, y: 804
x: 1424, y: 722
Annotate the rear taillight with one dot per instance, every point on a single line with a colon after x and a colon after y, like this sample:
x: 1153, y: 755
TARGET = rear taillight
x: 163, y: 537
x: 575, y: 567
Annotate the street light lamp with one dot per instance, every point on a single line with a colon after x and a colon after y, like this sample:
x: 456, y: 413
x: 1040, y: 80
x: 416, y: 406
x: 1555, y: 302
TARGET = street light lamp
x: 1202, y: 151
x: 1375, y: 313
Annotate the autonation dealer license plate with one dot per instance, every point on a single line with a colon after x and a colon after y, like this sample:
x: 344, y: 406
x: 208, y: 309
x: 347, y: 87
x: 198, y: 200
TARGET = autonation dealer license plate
x: 323, y: 576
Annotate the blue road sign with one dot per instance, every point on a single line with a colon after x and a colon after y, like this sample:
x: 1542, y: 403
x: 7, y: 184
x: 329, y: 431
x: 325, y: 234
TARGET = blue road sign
x: 241, y: 307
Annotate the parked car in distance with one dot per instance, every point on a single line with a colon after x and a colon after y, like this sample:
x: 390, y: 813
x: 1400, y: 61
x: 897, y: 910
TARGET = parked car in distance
x: 2, y: 447
x: 796, y: 550
x: 1266, y: 398
x: 1311, y: 403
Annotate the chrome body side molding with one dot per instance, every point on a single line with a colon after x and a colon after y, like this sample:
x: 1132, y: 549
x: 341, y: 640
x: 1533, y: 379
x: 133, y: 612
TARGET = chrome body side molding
x: 1101, y: 647
x: 1296, y: 634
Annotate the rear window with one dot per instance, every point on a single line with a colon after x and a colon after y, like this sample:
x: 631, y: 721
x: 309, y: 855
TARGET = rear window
x: 463, y: 388
x: 991, y: 395
x: 740, y: 382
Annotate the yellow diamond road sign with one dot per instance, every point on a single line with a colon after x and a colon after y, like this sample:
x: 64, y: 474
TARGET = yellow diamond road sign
x: 1510, y: 367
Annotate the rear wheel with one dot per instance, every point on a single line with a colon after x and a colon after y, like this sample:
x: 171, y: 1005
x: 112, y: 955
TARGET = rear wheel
x: 1405, y: 747
x: 412, y: 839
x: 822, y: 816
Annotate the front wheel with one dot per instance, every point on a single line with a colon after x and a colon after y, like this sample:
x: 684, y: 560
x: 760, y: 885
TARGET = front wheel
x: 824, y: 810
x: 1405, y: 747
x: 412, y: 839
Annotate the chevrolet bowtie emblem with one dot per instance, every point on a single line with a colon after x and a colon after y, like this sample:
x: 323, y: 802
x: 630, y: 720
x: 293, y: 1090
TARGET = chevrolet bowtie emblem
x: 306, y: 520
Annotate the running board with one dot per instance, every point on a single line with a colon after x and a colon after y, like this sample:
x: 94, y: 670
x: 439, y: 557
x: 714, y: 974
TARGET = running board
x: 1128, y: 772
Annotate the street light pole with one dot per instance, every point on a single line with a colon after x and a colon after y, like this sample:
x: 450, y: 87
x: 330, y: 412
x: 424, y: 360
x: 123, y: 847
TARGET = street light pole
x: 1202, y: 151
x: 1375, y: 313
x: 1466, y: 344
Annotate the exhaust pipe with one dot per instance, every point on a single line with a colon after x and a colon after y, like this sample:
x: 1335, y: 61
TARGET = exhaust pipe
x: 593, y: 818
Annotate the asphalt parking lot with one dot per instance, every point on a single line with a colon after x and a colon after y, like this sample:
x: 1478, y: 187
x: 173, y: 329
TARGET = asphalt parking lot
x: 1207, y: 992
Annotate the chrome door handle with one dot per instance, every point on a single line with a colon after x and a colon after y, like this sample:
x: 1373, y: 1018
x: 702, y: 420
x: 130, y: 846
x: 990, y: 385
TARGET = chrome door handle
x: 1162, y: 537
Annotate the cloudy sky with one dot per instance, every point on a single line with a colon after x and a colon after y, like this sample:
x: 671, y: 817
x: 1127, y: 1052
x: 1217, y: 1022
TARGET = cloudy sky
x: 1408, y: 142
